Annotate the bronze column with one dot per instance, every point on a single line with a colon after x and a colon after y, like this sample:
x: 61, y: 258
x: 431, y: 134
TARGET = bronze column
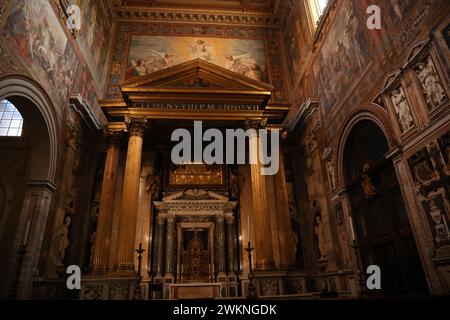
x: 230, y: 247
x: 130, y: 196
x: 220, y: 246
x: 170, y: 239
x: 160, y: 247
x: 263, y: 234
x: 102, y: 244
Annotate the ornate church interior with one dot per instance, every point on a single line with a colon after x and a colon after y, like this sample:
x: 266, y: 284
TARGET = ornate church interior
x: 356, y: 90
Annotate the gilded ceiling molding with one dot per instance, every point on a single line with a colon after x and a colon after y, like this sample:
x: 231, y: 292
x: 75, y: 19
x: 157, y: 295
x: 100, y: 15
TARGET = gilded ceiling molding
x: 226, y: 18
x: 268, y: 13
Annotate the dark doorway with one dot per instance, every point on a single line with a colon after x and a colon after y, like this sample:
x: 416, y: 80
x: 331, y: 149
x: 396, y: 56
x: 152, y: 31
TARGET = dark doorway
x: 380, y: 219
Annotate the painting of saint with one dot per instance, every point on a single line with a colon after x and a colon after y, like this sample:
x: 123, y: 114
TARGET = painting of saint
x: 94, y: 33
x: 153, y: 53
x: 34, y: 33
x: 344, y: 55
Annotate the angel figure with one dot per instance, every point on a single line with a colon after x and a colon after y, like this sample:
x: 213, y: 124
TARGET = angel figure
x: 200, y: 50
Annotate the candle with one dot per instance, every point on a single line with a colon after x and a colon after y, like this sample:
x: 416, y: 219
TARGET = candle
x: 142, y: 230
x: 27, y: 232
x: 351, y: 228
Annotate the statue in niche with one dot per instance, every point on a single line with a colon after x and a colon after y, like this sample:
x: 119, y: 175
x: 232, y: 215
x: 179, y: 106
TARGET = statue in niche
x: 155, y: 186
x: 64, y: 240
x: 432, y: 88
x: 320, y: 233
x: 366, y: 183
x: 402, y: 109
x: 331, y: 175
x: 440, y: 225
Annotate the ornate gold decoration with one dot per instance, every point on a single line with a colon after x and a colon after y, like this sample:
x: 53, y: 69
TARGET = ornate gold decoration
x: 196, y: 174
x: 195, y: 260
x: 136, y: 125
x: 165, y: 95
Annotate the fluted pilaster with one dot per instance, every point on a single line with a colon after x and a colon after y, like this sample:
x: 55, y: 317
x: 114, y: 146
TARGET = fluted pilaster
x: 286, y: 239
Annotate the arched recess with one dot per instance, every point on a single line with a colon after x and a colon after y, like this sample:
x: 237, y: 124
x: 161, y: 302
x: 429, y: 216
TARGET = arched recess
x: 31, y: 186
x: 370, y: 112
x: 13, y: 88
x: 381, y: 226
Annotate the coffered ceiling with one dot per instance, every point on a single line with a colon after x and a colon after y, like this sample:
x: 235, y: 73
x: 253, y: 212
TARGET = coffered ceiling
x: 238, y: 12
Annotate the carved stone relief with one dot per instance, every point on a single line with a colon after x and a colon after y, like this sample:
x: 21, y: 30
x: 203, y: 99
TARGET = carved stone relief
x: 402, y: 109
x: 119, y: 291
x: 93, y: 292
x: 431, y: 84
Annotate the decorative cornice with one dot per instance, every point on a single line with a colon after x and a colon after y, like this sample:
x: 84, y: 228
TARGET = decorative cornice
x: 302, y: 113
x: 224, y: 15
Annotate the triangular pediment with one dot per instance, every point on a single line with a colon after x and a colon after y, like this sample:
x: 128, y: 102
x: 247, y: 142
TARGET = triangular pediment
x: 195, y: 195
x: 195, y: 74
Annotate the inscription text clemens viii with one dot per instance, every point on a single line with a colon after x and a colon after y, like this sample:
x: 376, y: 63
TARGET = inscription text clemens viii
x: 196, y: 106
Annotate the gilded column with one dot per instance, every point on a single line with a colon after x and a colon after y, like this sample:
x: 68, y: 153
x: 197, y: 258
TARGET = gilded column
x: 261, y: 220
x: 170, y: 239
x: 160, y: 247
x: 102, y: 244
x: 130, y: 196
x: 286, y: 239
x: 230, y: 247
x: 220, y: 246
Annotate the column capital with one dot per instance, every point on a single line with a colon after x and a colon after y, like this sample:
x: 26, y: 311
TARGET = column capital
x: 256, y: 124
x: 229, y: 219
x: 161, y: 219
x: 171, y: 218
x: 112, y: 137
x: 220, y: 218
x: 135, y: 125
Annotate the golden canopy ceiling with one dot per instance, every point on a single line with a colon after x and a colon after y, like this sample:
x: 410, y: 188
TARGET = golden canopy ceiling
x: 235, y: 12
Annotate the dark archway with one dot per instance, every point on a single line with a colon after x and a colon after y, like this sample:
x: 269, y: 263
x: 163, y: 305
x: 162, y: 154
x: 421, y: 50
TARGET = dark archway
x: 27, y: 172
x: 380, y: 218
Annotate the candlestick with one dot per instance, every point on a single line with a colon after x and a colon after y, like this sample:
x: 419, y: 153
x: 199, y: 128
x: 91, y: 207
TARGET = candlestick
x: 138, y: 289
x: 251, y: 283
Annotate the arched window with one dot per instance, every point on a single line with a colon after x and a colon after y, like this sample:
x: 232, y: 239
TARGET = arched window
x: 317, y: 8
x: 11, y: 120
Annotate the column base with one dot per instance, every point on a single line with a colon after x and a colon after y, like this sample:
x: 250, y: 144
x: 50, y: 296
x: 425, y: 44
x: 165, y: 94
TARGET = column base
x: 124, y: 269
x: 99, y: 270
x: 221, y: 277
x: 265, y: 266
